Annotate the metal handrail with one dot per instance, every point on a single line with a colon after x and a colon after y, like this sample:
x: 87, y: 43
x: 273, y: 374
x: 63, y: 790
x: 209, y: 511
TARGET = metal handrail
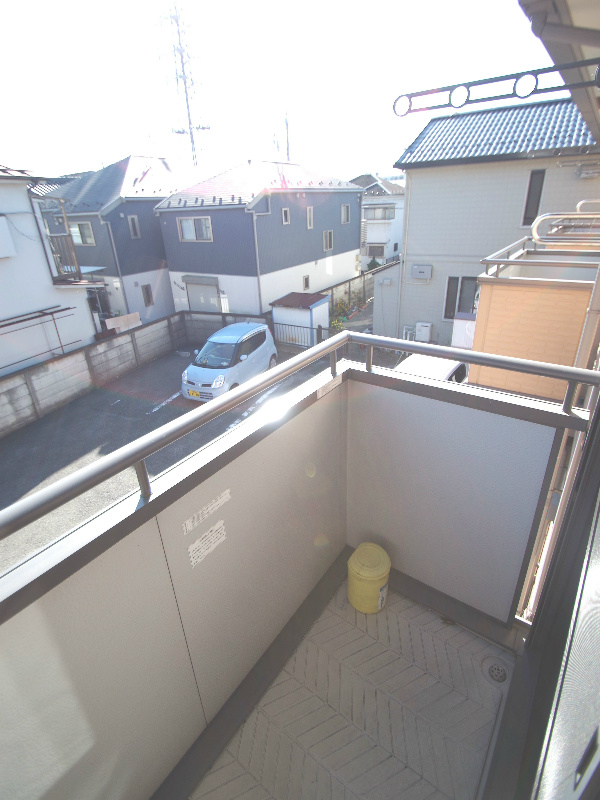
x: 582, y: 203
x: 502, y: 259
x: 33, y: 507
x: 569, y: 219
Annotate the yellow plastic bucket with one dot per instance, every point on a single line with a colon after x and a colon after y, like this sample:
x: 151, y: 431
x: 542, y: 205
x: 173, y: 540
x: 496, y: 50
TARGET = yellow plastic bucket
x: 368, y: 575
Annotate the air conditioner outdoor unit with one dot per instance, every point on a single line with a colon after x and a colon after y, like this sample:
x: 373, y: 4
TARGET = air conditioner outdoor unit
x: 423, y: 331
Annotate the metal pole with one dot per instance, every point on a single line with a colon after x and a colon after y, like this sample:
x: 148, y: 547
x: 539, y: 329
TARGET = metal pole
x: 333, y: 363
x: 569, y: 395
x: 141, y: 470
x: 369, y: 359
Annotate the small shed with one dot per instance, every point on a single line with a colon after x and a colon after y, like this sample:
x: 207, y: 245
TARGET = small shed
x: 297, y: 317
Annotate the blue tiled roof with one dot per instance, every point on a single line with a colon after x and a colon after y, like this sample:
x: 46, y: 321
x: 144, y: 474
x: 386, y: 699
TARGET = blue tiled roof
x: 241, y: 184
x: 498, y: 134
x: 133, y: 177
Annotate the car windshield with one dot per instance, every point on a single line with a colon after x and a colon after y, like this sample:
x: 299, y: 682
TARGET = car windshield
x: 215, y: 355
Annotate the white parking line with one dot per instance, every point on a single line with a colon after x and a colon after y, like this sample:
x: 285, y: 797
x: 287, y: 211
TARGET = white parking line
x: 170, y: 400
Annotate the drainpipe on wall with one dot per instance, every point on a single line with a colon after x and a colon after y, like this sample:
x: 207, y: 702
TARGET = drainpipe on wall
x: 114, y: 249
x: 257, y: 262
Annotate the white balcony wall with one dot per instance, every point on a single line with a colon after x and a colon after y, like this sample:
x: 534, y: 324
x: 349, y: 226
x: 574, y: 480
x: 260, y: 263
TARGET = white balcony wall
x: 98, y: 683
x: 450, y: 492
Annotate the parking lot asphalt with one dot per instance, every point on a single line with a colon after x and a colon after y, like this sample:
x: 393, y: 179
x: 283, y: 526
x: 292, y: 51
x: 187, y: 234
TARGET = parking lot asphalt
x: 96, y: 424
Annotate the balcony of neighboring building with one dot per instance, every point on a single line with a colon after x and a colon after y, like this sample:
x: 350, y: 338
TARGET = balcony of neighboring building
x: 197, y: 633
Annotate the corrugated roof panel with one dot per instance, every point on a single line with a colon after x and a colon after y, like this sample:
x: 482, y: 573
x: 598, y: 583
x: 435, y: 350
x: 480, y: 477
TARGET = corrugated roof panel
x: 499, y: 133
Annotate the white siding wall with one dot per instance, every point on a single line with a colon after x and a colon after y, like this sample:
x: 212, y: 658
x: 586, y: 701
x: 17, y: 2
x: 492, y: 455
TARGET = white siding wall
x: 26, y: 286
x: 161, y: 293
x: 386, y: 232
x: 459, y: 215
x: 322, y: 273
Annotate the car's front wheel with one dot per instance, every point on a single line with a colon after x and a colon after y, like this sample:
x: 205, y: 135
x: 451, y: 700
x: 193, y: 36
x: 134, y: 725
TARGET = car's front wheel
x: 272, y: 362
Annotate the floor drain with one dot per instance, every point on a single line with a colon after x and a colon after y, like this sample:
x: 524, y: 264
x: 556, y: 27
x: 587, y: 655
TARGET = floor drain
x: 497, y: 673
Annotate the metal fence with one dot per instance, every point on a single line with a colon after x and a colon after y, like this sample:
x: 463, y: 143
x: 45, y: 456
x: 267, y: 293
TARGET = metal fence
x: 356, y: 292
x: 298, y: 334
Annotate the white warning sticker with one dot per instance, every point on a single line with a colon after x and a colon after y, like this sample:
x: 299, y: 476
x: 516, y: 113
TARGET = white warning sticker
x: 207, y: 543
x: 205, y: 512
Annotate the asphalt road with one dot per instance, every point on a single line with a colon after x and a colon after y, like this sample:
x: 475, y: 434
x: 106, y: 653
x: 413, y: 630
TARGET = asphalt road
x: 97, y: 424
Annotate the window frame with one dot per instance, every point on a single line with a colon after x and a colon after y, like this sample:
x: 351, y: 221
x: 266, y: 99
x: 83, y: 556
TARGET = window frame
x: 193, y: 241
x: 374, y: 255
x: 134, y: 226
x: 78, y: 225
x: 342, y: 207
x: 533, y: 197
x: 285, y: 216
x: 327, y: 238
x: 310, y: 218
x: 372, y: 209
x: 459, y: 288
x: 147, y: 295
x: 305, y: 283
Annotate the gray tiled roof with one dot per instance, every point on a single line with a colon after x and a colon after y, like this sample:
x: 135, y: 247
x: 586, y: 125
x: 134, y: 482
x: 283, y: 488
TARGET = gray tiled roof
x: 500, y: 133
x: 134, y: 176
x: 241, y: 184
x: 377, y: 186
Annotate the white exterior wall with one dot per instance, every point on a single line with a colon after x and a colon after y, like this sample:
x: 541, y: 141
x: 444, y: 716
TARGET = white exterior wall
x: 241, y: 293
x: 114, y: 289
x: 384, y: 231
x: 302, y: 316
x: 459, y: 215
x: 322, y: 273
x: 26, y: 286
x: 161, y: 293
x: 385, y: 301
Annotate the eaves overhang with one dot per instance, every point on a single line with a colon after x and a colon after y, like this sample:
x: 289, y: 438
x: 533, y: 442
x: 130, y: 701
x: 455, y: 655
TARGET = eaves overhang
x: 450, y: 162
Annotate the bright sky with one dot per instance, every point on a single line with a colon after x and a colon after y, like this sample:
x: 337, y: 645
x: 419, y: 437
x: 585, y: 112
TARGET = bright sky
x: 84, y: 85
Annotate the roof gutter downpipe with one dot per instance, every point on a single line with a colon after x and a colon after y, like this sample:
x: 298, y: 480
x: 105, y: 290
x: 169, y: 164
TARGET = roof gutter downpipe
x: 568, y: 34
x: 114, y: 249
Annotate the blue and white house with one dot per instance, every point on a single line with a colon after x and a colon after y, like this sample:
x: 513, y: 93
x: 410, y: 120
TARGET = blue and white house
x: 242, y: 239
x: 110, y: 215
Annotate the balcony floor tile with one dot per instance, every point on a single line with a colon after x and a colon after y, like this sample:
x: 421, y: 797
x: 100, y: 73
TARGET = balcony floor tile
x: 380, y: 706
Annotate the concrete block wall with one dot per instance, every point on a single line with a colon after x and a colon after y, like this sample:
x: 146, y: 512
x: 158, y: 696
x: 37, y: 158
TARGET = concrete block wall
x: 27, y: 395
x: 16, y: 403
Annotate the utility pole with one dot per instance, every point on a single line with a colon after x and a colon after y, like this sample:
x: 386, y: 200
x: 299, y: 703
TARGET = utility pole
x: 183, y: 74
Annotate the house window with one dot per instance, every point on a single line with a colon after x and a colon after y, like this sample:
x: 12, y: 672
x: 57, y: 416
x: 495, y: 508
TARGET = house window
x: 395, y: 247
x: 309, y: 217
x: 376, y: 250
x: 82, y: 233
x: 327, y: 240
x: 534, y: 195
x: 285, y: 215
x: 195, y: 229
x: 345, y: 214
x: 147, y: 295
x: 380, y: 212
x: 460, y: 296
x: 134, y: 228
x: 305, y: 282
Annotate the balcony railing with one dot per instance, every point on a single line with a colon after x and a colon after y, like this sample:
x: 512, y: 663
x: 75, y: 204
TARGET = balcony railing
x: 65, y: 257
x: 33, y: 507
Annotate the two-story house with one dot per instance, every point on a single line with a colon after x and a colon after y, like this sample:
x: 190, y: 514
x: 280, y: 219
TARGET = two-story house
x: 242, y: 239
x: 110, y: 217
x: 383, y: 219
x: 476, y: 181
x: 42, y: 314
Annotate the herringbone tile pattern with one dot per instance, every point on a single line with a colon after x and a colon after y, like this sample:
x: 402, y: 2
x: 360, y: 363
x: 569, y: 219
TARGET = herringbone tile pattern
x: 391, y: 706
